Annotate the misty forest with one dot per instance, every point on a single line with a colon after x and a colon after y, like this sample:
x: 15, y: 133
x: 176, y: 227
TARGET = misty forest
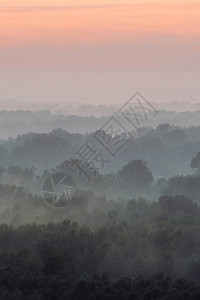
x: 99, y: 150
x: 131, y: 229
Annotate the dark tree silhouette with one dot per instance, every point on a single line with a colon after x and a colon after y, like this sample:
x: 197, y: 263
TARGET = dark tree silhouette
x: 135, y: 174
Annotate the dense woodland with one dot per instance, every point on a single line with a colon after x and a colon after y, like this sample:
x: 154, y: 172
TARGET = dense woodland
x: 132, y: 232
x: 86, y: 119
x: 167, y: 149
x: 103, y: 250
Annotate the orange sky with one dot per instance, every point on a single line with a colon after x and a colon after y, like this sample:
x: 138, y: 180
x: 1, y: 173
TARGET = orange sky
x: 61, y: 23
x: 100, y: 43
x: 88, y: 28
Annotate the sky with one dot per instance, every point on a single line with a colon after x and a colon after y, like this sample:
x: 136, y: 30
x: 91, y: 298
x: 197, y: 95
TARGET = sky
x: 99, y: 51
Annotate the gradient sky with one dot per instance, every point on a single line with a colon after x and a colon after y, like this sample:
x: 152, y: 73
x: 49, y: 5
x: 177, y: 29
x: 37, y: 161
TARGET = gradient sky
x: 99, y: 43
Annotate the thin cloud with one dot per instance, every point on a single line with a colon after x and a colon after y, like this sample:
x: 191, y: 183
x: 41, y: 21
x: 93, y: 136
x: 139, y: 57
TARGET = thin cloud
x: 61, y: 8
x: 177, y: 5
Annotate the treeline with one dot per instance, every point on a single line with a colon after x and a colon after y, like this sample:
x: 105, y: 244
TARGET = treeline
x: 33, y: 286
x: 84, y: 120
x: 133, y: 179
x: 122, y: 238
x: 122, y: 260
x: 167, y: 150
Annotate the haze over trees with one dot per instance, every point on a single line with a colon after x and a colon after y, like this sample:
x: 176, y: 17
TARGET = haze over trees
x: 135, y: 174
x: 18, y: 122
x: 131, y: 232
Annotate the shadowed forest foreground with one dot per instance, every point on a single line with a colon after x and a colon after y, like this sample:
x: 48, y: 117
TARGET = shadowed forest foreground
x: 132, y: 233
x: 123, y: 250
